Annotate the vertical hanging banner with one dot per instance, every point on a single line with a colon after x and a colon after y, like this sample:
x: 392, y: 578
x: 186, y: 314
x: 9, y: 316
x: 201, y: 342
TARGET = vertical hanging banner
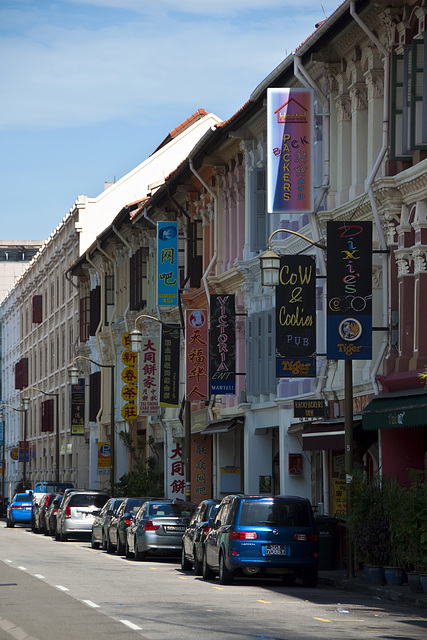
x: 349, y: 290
x: 223, y: 345
x: 169, y: 366
x: 296, y: 317
x: 129, y: 376
x: 148, y: 377
x: 167, y: 263
x: 290, y: 117
x: 175, y: 471
x: 78, y: 408
x: 197, y: 354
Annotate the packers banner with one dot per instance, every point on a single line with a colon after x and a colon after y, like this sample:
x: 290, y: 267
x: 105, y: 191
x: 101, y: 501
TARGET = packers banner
x: 349, y: 290
x: 296, y: 317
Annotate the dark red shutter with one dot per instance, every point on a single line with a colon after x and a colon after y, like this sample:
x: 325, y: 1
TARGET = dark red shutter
x: 37, y: 309
x: 47, y: 419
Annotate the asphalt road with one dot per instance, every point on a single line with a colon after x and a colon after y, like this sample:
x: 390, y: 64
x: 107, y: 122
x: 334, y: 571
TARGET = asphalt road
x: 52, y: 590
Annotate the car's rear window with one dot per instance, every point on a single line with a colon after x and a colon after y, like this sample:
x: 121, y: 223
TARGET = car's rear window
x: 22, y: 497
x: 171, y: 510
x: 88, y: 500
x: 288, y: 514
x: 132, y: 506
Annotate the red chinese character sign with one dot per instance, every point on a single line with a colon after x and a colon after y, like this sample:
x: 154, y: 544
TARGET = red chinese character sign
x: 201, y: 467
x: 176, y: 471
x: 129, y: 376
x: 197, y: 354
x: 148, y: 377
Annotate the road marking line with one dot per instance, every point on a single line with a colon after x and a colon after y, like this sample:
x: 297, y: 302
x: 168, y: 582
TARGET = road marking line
x: 39, y: 576
x: 9, y: 561
x: 22, y: 568
x: 322, y: 619
x: 59, y: 586
x: 219, y: 588
x: 264, y: 601
x: 182, y: 578
x: 131, y: 625
x: 91, y: 604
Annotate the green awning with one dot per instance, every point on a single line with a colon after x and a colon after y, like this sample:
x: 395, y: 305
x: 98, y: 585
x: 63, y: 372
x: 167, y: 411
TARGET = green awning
x: 394, y: 410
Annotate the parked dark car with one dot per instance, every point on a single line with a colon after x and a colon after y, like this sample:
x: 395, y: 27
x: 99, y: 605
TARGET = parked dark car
x: 261, y: 536
x: 50, y: 516
x: 116, y: 529
x: 39, y: 525
x: 77, y: 512
x: 159, y: 530
x: 194, y: 536
x: 101, y: 522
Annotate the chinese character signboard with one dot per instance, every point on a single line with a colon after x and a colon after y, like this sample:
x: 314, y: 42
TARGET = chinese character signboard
x: 197, y: 356
x: 223, y: 345
x: 148, y: 377
x: 176, y: 471
x: 167, y: 263
x: 129, y: 378
x: 201, y: 467
x: 169, y: 366
x: 296, y: 317
x: 78, y: 408
x: 289, y: 150
x: 349, y: 290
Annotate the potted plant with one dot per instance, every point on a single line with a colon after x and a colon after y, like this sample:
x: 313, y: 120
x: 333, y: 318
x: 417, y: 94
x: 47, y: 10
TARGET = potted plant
x: 368, y: 527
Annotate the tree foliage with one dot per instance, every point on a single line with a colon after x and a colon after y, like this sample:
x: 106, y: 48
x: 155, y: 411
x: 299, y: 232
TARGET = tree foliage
x: 145, y: 479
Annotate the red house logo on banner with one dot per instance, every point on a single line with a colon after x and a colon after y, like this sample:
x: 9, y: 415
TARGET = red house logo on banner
x: 197, y: 354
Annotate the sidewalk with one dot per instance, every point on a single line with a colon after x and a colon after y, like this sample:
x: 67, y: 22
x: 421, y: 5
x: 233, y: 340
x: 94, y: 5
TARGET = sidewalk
x: 339, y: 580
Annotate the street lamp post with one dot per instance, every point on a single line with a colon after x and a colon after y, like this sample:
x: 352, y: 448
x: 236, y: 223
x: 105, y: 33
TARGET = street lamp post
x: 270, y: 276
x: 73, y: 374
x: 3, y: 464
x: 56, y: 426
x: 25, y: 404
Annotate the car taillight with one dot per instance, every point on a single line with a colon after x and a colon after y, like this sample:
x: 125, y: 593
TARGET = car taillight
x: 128, y: 522
x: 17, y: 506
x: 150, y: 526
x: 68, y: 511
x: 206, y: 531
x: 243, y: 535
x: 306, y: 537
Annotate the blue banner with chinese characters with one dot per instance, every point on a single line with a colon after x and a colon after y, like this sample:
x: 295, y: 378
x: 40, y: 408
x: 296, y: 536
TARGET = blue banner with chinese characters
x: 167, y: 263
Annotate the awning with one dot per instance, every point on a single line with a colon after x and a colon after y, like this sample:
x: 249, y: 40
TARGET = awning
x: 222, y: 426
x: 325, y: 435
x: 393, y: 410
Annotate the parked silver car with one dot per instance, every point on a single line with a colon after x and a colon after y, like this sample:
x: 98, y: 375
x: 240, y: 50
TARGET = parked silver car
x: 77, y: 512
x: 158, y: 528
x: 101, y: 522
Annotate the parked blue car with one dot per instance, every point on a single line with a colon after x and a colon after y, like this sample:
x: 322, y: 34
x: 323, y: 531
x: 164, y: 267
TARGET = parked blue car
x: 261, y: 536
x: 19, y: 511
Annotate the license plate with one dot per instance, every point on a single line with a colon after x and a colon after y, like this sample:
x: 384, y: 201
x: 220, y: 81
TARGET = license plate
x: 173, y: 528
x: 276, y: 550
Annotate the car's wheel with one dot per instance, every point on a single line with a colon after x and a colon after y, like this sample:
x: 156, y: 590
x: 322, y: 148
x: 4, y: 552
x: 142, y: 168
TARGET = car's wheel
x: 138, y: 555
x: 47, y: 532
x: 225, y: 576
x: 197, y: 564
x: 310, y: 577
x: 207, y: 572
x: 56, y: 535
x: 120, y: 550
x: 103, y: 543
x: 185, y: 564
x: 93, y: 543
x: 9, y: 524
x: 288, y: 579
x: 110, y: 547
x: 63, y: 537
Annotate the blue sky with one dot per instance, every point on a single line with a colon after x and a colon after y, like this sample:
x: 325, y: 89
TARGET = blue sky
x: 89, y: 88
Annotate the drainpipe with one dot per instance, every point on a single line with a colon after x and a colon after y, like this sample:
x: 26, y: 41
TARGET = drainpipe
x: 369, y: 188
x: 307, y: 81
x: 126, y: 243
x: 97, y: 331
x: 215, y: 252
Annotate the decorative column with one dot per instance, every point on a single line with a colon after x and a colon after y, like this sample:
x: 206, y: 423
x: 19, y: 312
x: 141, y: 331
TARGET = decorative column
x: 359, y: 136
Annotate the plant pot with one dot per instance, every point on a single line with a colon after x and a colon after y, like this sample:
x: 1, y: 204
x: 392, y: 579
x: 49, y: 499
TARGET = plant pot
x: 414, y: 582
x: 374, y: 574
x: 423, y: 582
x: 394, y: 576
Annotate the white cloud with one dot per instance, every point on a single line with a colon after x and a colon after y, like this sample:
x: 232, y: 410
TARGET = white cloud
x: 70, y: 75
